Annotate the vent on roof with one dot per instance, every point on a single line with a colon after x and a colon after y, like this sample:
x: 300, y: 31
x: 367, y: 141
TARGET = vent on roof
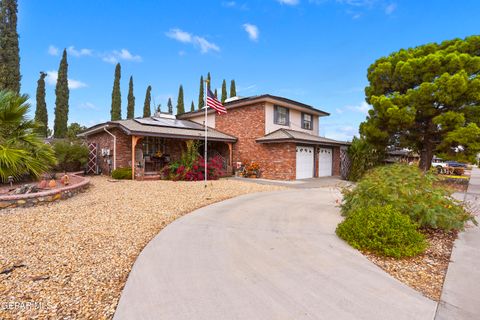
x: 233, y: 99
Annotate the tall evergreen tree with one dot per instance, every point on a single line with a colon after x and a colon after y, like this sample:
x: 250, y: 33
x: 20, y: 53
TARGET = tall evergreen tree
x: 61, y: 101
x: 116, y: 110
x: 192, y: 107
x: 224, y: 91
x: 170, y: 106
x: 216, y: 93
x: 209, y: 80
x: 9, y: 50
x: 233, y: 89
x: 130, y: 100
x: 180, y: 104
x: 41, y: 114
x: 201, y: 94
x: 146, y: 105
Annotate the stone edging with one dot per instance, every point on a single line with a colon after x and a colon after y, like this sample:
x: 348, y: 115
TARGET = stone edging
x: 44, y: 197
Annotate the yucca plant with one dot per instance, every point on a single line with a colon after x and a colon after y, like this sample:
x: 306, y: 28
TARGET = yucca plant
x: 22, y: 152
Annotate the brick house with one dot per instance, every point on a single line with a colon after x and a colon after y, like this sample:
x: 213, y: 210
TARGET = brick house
x: 280, y: 134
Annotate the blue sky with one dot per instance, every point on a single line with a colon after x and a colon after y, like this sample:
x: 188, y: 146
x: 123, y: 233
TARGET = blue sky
x: 313, y: 51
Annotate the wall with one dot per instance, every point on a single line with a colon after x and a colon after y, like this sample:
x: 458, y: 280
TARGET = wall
x: 295, y: 121
x: 201, y: 119
x: 277, y: 161
x: 124, y: 149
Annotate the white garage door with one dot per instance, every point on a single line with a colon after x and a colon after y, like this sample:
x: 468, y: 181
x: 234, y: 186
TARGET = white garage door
x: 305, y: 161
x: 325, y: 156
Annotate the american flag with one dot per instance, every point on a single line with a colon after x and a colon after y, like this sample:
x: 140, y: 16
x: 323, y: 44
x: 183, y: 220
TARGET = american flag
x: 214, y: 103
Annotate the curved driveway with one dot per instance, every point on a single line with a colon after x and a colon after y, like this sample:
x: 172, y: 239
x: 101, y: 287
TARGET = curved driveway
x: 263, y: 256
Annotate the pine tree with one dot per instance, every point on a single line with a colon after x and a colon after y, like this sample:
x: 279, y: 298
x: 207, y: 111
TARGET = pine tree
x: 116, y: 110
x: 61, y: 101
x: 130, y: 100
x: 41, y: 114
x: 209, y: 80
x: 233, y: 89
x: 224, y: 91
x: 170, y: 106
x: 201, y: 102
x: 9, y: 50
x: 146, y: 105
x: 180, y: 104
x: 216, y: 93
x: 192, y: 107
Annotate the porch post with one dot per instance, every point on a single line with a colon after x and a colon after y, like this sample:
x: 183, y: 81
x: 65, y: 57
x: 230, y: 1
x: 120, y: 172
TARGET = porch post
x: 134, y: 144
x: 230, y: 154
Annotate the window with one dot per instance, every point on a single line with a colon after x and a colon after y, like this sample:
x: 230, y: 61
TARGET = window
x: 280, y: 116
x: 307, y: 122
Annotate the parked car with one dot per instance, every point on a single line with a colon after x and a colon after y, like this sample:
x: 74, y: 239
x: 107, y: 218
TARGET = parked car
x: 456, y: 164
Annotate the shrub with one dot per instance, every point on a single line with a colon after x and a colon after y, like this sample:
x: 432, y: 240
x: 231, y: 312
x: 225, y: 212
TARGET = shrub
x: 177, y: 171
x: 411, y: 192
x: 382, y: 230
x: 458, y: 171
x: 122, y: 173
x: 71, y: 155
x: 363, y: 156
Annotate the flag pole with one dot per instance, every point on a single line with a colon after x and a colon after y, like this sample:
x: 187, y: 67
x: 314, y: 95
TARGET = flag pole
x: 206, y: 132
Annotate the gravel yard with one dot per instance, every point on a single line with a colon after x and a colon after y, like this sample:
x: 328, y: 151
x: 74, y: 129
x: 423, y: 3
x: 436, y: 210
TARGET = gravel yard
x: 71, y: 259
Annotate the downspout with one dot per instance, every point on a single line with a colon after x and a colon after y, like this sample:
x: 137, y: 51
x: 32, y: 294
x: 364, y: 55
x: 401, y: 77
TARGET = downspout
x: 114, y: 148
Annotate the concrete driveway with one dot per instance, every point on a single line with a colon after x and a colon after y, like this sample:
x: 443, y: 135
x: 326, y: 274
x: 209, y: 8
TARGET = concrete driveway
x: 263, y: 256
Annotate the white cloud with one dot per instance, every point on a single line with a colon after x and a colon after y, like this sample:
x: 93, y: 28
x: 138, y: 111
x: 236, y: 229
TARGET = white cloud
x: 289, y: 2
x: 199, y: 42
x: 362, y: 108
x: 116, y: 56
x: 358, y: 3
x: 390, y: 8
x: 87, y: 105
x: 78, y: 53
x: 339, y: 110
x: 234, y: 5
x: 339, y: 131
x: 52, y: 77
x: 52, y: 50
x: 252, y: 31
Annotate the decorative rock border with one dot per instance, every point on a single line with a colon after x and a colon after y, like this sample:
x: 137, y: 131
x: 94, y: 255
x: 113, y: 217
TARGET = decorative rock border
x: 44, y: 197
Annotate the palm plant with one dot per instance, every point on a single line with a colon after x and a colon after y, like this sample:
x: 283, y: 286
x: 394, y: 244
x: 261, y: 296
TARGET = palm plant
x: 22, y: 152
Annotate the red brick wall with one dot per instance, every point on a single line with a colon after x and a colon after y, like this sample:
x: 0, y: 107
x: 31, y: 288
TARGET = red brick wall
x: 124, y: 148
x: 277, y: 161
x: 336, y: 161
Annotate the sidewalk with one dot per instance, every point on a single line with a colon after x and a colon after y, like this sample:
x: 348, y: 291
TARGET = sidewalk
x: 461, y: 291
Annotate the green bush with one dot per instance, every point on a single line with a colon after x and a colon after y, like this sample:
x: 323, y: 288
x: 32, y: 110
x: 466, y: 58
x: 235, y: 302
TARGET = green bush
x: 71, y: 155
x: 411, y: 192
x: 384, y: 231
x: 122, y: 173
x: 363, y: 157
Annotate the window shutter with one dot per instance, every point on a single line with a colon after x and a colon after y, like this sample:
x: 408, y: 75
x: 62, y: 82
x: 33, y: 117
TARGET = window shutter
x: 288, y: 116
x: 302, y: 120
x: 275, y: 114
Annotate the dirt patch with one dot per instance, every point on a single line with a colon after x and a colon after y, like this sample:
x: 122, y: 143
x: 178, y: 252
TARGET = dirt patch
x: 425, y: 273
x: 71, y: 259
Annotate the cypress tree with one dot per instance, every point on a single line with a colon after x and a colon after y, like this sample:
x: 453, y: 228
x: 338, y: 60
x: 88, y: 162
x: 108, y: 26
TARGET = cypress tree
x: 192, y: 107
x: 216, y: 93
x: 224, y: 91
x: 209, y: 80
x: 130, y: 100
x: 41, y: 114
x: 233, y: 89
x: 201, y: 102
x: 61, y: 101
x: 170, y: 106
x: 180, y: 104
x: 9, y: 50
x: 116, y: 110
x: 146, y: 104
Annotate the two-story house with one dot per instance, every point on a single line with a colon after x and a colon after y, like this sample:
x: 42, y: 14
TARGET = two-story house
x: 280, y: 134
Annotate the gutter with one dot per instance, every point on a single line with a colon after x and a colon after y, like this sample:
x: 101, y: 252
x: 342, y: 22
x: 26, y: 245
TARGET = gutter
x: 114, y: 147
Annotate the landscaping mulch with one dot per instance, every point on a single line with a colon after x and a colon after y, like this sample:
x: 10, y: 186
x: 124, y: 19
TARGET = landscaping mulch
x: 424, y: 273
x: 71, y: 259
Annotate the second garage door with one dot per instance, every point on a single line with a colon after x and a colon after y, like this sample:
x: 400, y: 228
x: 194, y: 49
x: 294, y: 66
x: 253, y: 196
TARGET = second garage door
x: 305, y: 156
x: 325, y: 162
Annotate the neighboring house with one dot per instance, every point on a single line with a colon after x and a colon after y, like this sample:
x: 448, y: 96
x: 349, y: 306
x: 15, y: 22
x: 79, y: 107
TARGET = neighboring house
x: 280, y: 134
x: 402, y: 156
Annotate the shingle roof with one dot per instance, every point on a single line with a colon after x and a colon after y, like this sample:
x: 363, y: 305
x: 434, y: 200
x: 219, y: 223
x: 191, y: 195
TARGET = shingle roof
x: 169, y: 128
x: 286, y: 135
x: 231, y: 104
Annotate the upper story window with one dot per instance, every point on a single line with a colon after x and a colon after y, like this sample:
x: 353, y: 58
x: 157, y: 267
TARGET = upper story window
x: 307, y: 121
x: 281, y: 116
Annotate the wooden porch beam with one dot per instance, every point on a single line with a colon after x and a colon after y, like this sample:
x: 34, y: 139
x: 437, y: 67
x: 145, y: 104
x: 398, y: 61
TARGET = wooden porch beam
x: 134, y: 144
